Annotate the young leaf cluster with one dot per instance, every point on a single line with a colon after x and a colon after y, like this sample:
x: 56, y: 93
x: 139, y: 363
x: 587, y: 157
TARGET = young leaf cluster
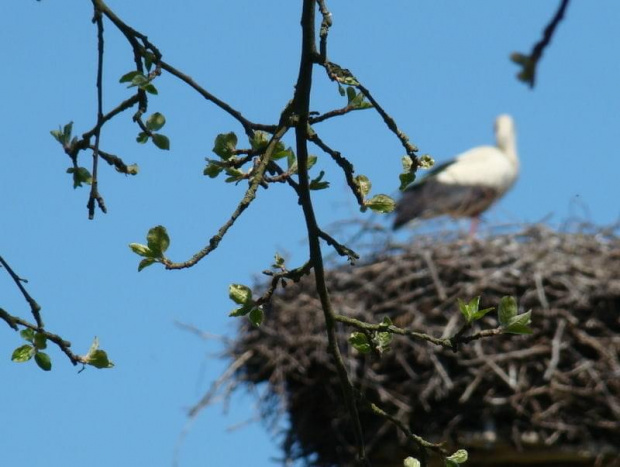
x: 355, y: 100
x: 36, y: 343
x: 242, y: 295
x: 138, y: 79
x: 153, y: 124
x: 378, y: 341
x: 510, y: 321
x: 378, y: 203
x: 157, y: 242
x: 97, y: 357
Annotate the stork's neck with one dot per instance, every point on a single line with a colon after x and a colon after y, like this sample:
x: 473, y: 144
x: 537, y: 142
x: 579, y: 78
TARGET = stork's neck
x: 507, y: 143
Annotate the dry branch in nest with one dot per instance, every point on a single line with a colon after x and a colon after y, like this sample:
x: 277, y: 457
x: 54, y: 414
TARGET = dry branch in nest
x: 552, y: 398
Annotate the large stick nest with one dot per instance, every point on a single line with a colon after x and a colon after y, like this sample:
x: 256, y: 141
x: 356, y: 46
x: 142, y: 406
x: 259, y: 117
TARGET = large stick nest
x: 552, y: 398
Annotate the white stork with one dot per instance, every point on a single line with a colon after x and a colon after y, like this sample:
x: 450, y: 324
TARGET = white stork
x: 467, y: 185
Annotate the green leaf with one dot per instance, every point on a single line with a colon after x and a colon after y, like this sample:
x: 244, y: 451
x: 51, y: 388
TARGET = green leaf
x: 381, y: 203
x: 317, y: 184
x: 94, y: 346
x: 519, y: 324
x: 359, y: 341
x: 426, y: 162
x: 341, y: 90
x: 23, y: 353
x: 470, y: 310
x: 138, y: 80
x: 291, y: 162
x: 358, y: 102
x: 407, y: 163
x: 350, y: 94
x: 507, y: 310
x: 406, y: 179
x: 27, y: 334
x: 66, y: 131
x: 99, y: 359
x: 63, y: 135
x: 213, y: 169
x: 241, y: 311
x: 383, y: 340
x: 451, y: 463
x: 43, y: 360
x: 225, y: 145
x: 150, y: 88
x: 460, y: 456
x: 386, y: 322
x: 411, y: 462
x: 259, y: 141
x: 278, y: 261
x: 155, y: 122
x: 234, y: 175
x: 311, y: 161
x: 256, y: 316
x: 158, y: 240
x: 282, y: 154
x: 57, y: 134
x: 142, y: 137
x: 480, y: 313
x: 464, y: 310
x: 364, y: 184
x: 146, y: 262
x: 474, y: 304
x: 240, y: 294
x: 161, y: 141
x: 128, y: 77
x: 40, y: 341
x: 142, y: 250
x: 80, y: 175
x: 148, y: 60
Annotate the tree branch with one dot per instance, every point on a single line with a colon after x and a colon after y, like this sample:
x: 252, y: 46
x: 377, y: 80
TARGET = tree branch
x: 529, y: 63
x: 35, y: 308
x: 95, y: 196
x: 250, y: 195
x: 301, y: 108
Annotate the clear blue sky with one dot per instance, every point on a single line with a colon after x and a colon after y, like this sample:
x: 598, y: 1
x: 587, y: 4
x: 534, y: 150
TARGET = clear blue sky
x: 440, y: 68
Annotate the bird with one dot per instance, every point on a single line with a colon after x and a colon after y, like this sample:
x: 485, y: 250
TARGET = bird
x: 467, y: 185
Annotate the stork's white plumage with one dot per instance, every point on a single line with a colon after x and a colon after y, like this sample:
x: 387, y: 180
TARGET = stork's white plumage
x: 467, y: 185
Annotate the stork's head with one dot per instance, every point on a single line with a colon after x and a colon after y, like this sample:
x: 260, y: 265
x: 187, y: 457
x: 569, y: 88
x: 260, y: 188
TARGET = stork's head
x: 505, y: 133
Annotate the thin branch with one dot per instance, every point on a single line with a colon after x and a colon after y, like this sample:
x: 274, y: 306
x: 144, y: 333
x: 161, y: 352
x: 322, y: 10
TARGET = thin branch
x: 341, y: 249
x: 326, y: 23
x: 344, y: 164
x: 421, y: 442
x: 35, y: 308
x: 363, y: 326
x: 410, y: 148
x: 301, y: 106
x: 334, y: 113
x: 250, y: 195
x: 530, y: 63
x: 451, y: 343
x: 95, y: 196
x: 140, y: 49
x: 293, y: 274
x: 126, y: 104
x: 247, y: 125
x: 115, y: 161
x: 62, y: 344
